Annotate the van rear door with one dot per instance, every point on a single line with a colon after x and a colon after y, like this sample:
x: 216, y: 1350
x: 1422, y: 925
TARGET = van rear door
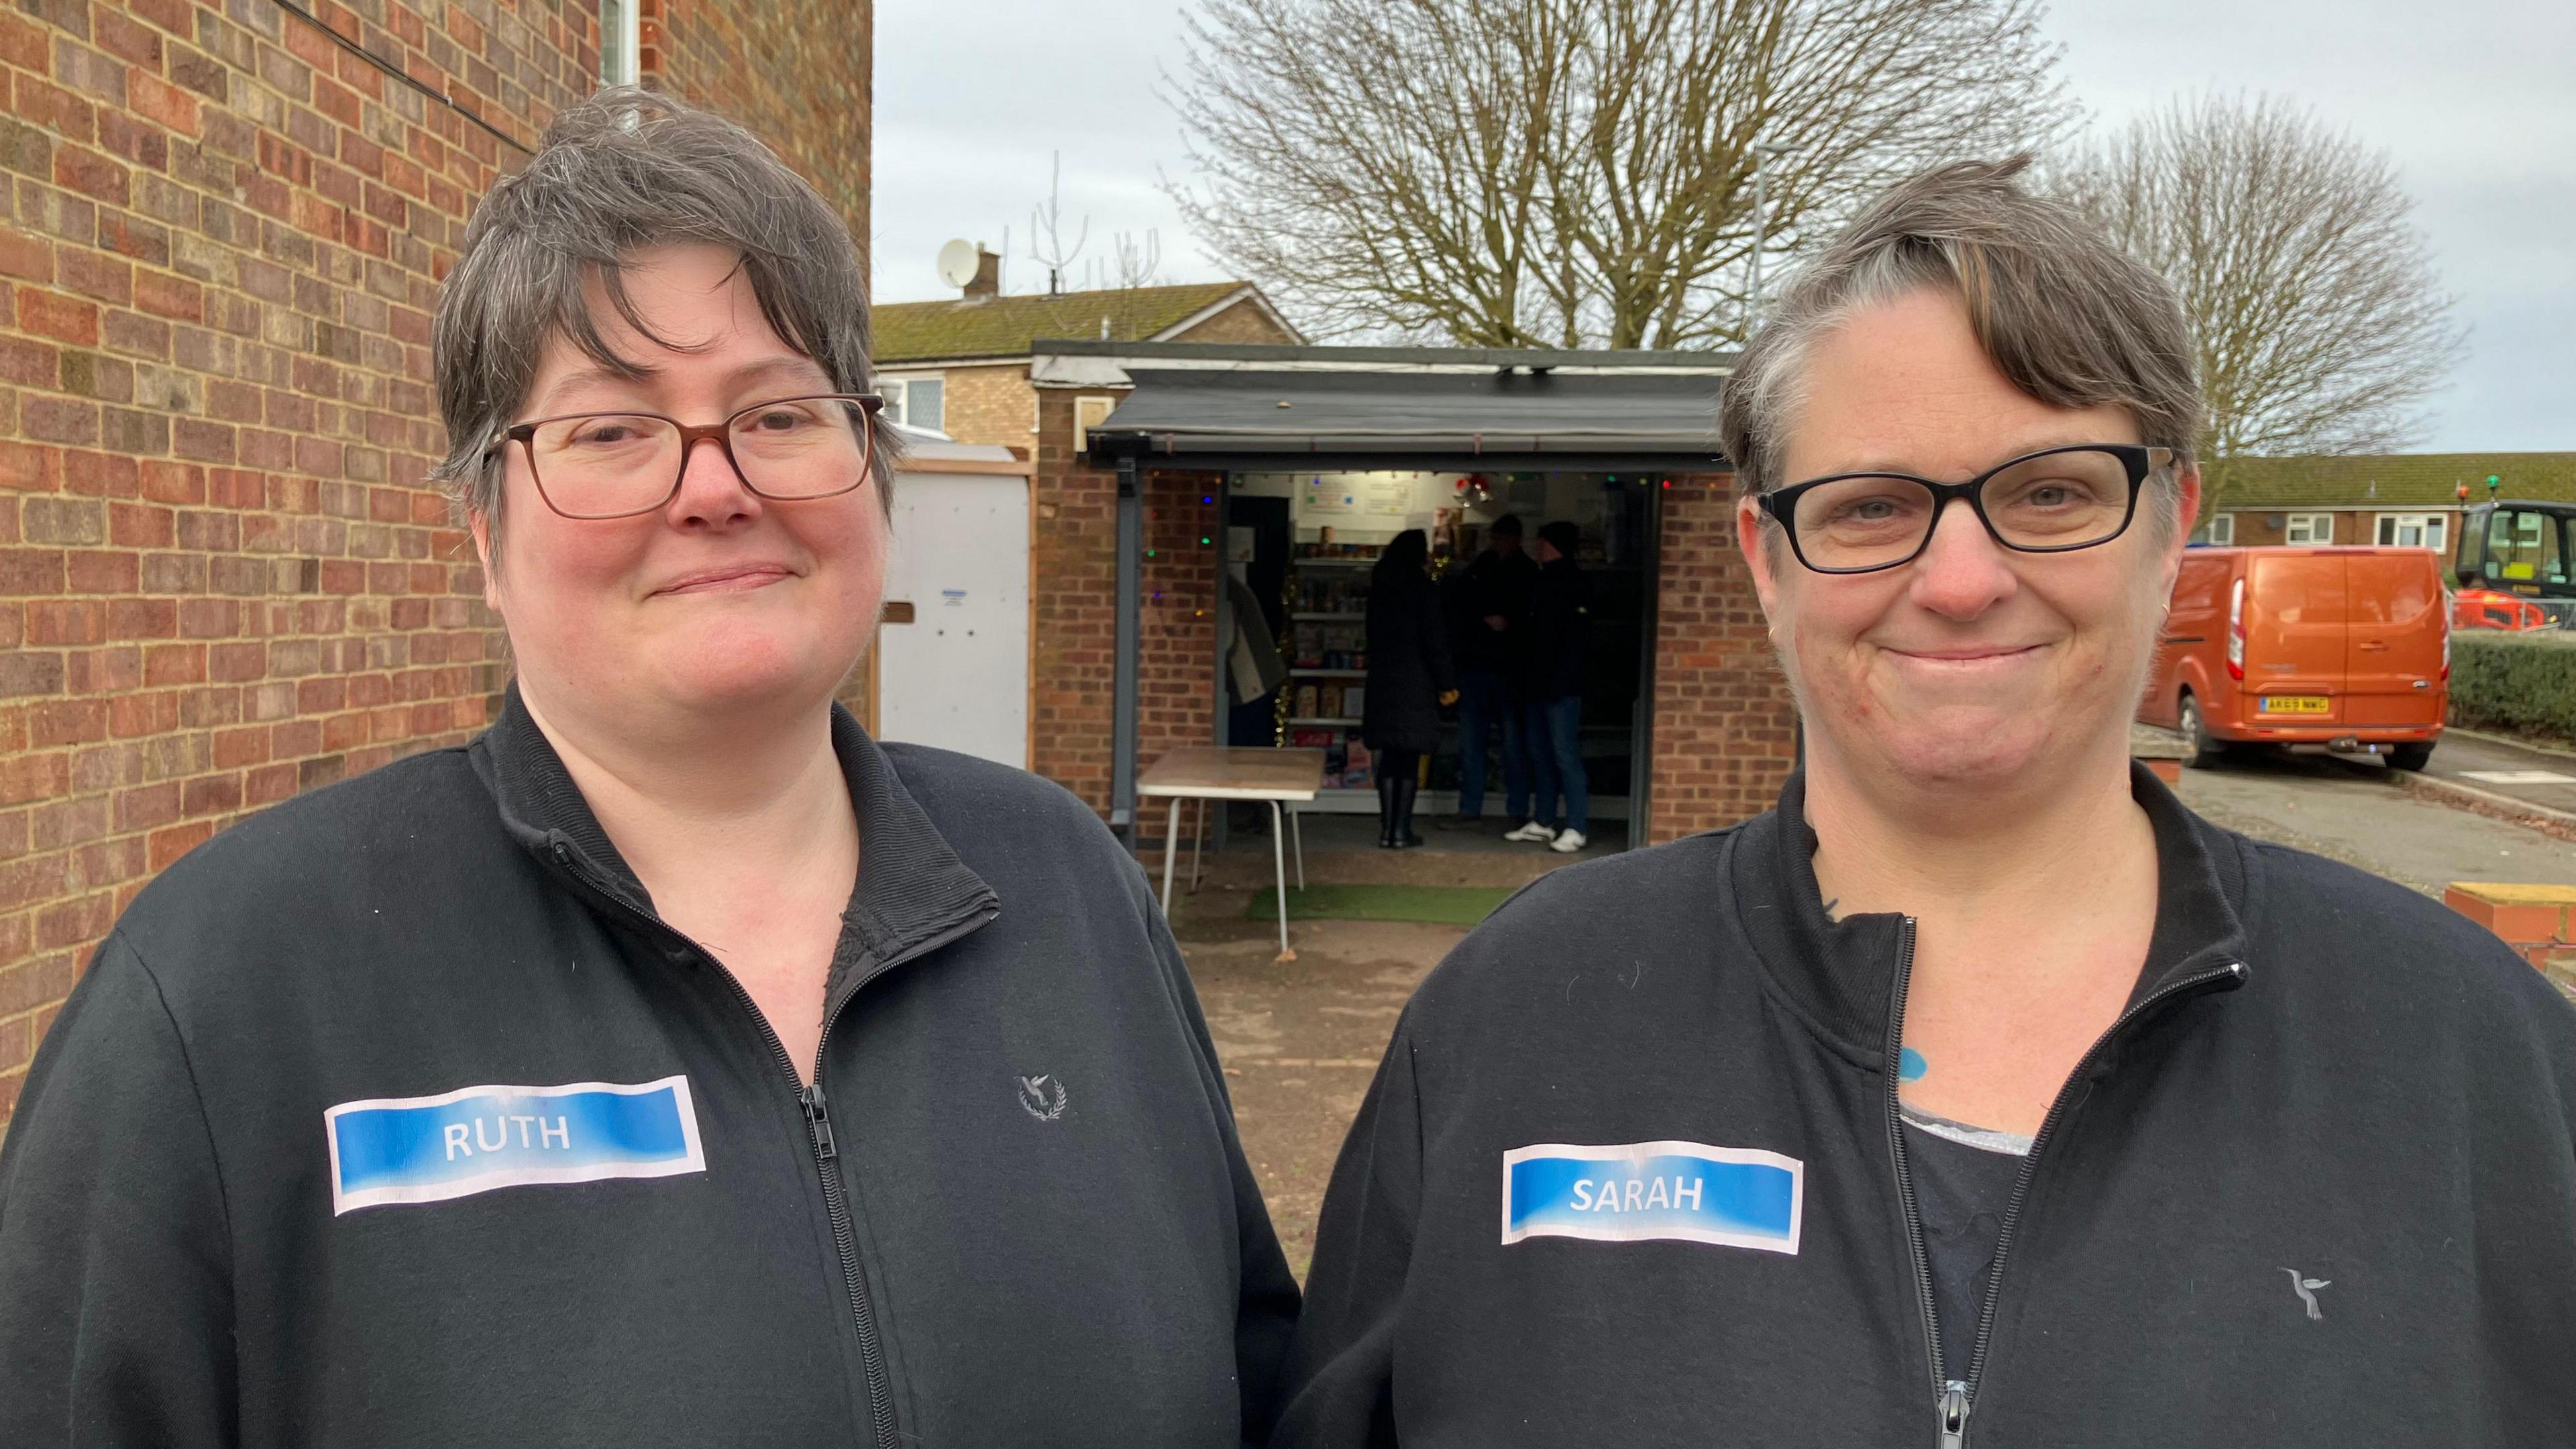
x: 2297, y: 612
x: 2393, y: 667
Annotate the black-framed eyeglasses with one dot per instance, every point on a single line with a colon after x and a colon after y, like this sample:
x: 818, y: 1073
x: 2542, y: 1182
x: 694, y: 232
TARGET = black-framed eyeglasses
x: 616, y: 465
x: 2052, y: 501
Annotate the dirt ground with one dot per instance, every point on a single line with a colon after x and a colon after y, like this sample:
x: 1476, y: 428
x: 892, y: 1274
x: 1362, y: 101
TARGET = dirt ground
x: 1300, y: 1040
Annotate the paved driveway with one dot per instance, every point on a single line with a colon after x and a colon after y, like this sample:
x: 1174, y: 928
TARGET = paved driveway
x: 2353, y: 812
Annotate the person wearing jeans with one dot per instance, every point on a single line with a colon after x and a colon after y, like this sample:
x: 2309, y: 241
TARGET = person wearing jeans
x: 1484, y: 702
x: 1488, y: 608
x: 1551, y: 692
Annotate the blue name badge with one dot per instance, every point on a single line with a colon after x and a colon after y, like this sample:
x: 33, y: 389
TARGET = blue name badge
x: 474, y: 1139
x: 1740, y: 1197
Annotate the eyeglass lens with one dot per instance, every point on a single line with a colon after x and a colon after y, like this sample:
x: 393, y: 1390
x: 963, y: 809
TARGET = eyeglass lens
x: 2056, y: 501
x: 610, y: 464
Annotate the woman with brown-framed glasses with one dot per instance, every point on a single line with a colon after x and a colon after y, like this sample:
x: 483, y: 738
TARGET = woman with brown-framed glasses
x: 1979, y: 1093
x: 673, y: 1064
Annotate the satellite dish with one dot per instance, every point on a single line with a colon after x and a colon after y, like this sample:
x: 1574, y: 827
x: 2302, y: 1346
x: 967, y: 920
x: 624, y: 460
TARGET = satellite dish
x: 957, y: 262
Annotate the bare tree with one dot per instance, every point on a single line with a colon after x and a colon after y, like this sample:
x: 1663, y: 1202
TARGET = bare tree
x: 1046, y: 230
x: 2320, y: 318
x: 1574, y: 172
x: 1132, y: 262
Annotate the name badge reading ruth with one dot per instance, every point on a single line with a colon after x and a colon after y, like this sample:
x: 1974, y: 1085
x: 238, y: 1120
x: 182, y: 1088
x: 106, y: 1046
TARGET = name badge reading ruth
x: 474, y: 1139
x: 1738, y: 1197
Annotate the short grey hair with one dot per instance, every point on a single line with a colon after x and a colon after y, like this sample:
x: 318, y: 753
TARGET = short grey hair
x: 625, y: 170
x: 2063, y: 313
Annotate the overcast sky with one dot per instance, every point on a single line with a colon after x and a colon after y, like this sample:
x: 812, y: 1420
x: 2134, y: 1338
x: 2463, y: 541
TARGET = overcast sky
x: 2472, y: 98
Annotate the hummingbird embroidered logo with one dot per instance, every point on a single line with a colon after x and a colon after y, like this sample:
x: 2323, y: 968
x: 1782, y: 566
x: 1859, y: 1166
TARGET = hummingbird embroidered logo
x: 1042, y: 1097
x: 2307, y: 1291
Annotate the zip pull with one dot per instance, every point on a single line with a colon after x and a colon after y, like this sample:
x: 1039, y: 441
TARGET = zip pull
x: 817, y: 1121
x: 1954, y: 1416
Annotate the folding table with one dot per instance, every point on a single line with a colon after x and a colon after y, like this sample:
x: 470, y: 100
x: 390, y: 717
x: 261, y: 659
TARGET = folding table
x: 1215, y: 772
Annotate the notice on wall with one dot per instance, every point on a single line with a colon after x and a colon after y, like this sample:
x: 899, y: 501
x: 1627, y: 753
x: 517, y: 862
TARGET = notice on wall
x: 1316, y: 495
x: 1387, y: 497
x: 1242, y: 543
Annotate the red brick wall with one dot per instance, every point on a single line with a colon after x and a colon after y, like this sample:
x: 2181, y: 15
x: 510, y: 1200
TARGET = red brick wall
x: 1073, y: 693
x: 1176, y: 668
x: 795, y: 71
x: 221, y: 580
x: 1725, y: 726
x: 1075, y: 597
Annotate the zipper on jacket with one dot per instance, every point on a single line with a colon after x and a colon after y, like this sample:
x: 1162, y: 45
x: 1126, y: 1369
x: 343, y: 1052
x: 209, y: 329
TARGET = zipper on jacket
x: 1956, y: 1397
x: 809, y: 1101
x: 1954, y: 1415
x: 818, y: 1122
x: 881, y: 1417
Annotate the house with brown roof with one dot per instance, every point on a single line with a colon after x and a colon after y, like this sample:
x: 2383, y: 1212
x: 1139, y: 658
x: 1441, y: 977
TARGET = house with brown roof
x: 2410, y: 500
x: 961, y: 366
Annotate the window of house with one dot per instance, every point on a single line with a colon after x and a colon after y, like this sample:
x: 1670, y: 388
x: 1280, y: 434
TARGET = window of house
x: 2222, y: 529
x: 2413, y: 530
x: 620, y: 42
x: 2309, y: 528
x: 916, y: 402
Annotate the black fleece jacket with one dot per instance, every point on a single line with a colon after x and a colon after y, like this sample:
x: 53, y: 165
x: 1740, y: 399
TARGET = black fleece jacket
x: 363, y: 1130
x: 2327, y: 1091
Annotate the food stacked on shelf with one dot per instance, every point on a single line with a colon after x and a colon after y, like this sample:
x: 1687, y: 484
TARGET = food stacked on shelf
x: 1328, y: 659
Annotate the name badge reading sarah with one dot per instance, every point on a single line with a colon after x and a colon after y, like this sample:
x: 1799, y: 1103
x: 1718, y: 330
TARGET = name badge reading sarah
x: 474, y: 1139
x: 1738, y: 1197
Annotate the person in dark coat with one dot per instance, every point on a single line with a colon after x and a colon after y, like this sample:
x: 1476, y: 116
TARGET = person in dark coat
x: 1551, y: 691
x: 1409, y: 678
x: 1488, y: 609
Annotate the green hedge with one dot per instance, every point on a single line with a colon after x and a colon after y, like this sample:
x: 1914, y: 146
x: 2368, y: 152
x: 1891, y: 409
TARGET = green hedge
x: 2520, y: 682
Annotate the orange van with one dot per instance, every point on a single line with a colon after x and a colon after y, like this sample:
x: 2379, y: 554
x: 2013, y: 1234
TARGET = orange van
x: 2349, y: 648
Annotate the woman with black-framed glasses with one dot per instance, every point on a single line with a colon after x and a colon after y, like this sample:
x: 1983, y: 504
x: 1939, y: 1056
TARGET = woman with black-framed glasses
x: 1979, y: 1093
x: 671, y: 1064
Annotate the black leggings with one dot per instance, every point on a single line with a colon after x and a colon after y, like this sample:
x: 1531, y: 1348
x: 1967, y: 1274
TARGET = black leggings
x: 1405, y: 765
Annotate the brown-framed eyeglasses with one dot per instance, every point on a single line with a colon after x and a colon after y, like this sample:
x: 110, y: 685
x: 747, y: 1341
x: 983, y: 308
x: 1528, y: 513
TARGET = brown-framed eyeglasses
x: 617, y: 465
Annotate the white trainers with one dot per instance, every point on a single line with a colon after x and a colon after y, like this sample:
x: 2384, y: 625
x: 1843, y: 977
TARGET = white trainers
x: 1533, y: 831
x: 1567, y: 842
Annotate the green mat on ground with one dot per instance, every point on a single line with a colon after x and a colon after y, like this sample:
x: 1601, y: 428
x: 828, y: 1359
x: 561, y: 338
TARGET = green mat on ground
x: 1439, y: 905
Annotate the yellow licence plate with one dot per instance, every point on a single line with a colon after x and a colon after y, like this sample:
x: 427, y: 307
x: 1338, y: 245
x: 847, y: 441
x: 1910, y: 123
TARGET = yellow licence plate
x: 2295, y: 704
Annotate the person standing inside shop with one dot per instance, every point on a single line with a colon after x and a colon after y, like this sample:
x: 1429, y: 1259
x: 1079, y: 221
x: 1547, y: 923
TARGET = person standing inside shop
x: 1409, y: 678
x: 1489, y: 605
x: 1551, y: 691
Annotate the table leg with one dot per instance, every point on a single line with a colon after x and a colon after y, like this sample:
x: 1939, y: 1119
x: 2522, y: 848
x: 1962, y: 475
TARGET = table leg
x: 1198, y: 835
x: 1297, y: 829
x: 1171, y: 848
x: 1279, y: 877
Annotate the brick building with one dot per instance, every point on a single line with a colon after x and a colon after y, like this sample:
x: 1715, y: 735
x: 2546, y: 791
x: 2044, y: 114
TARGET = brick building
x: 2400, y: 499
x: 1689, y: 725
x: 222, y: 228
x: 961, y: 366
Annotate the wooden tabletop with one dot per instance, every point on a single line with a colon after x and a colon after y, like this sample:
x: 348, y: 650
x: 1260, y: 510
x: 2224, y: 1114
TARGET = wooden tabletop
x: 1215, y: 772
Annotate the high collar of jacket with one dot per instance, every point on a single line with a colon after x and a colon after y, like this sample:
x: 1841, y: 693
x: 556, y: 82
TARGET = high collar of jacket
x: 1843, y: 973
x: 912, y: 887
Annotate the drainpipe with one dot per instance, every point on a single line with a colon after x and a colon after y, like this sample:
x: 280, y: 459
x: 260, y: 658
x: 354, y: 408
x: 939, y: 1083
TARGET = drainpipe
x: 1131, y: 551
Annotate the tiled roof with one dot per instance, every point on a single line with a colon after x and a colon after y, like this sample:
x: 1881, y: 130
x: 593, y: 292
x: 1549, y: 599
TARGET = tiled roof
x: 1006, y: 326
x: 2429, y: 479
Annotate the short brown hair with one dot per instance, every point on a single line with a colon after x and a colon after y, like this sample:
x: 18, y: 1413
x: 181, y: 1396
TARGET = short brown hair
x: 621, y: 171
x: 2065, y: 315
